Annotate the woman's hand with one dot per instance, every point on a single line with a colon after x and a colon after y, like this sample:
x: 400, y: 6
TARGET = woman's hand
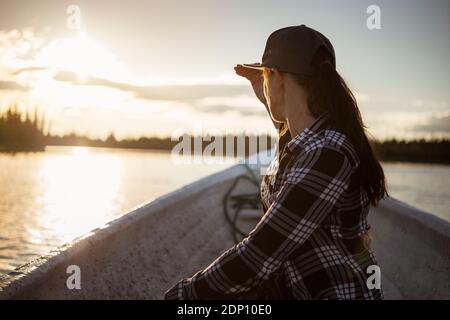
x: 256, y: 79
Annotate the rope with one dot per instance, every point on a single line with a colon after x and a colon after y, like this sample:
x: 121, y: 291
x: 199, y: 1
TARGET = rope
x: 241, y: 201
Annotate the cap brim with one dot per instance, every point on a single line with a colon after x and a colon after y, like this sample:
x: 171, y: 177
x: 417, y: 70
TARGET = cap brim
x: 257, y: 66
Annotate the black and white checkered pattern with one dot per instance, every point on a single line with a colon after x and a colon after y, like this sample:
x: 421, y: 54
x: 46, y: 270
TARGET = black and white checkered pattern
x: 312, y: 230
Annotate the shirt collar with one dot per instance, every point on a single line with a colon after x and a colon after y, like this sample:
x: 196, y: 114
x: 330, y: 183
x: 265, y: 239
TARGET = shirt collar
x: 301, y: 140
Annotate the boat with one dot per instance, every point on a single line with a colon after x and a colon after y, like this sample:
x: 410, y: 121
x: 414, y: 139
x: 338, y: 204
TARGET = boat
x: 147, y: 250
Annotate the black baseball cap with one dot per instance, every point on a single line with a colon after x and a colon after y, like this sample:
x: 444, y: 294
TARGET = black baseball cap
x: 294, y: 49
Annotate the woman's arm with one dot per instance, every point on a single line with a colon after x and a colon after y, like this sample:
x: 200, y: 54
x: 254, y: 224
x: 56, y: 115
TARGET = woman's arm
x: 314, y: 184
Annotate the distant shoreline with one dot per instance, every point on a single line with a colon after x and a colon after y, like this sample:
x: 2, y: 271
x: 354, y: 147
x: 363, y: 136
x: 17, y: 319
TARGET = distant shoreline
x: 419, y: 151
x: 25, y: 133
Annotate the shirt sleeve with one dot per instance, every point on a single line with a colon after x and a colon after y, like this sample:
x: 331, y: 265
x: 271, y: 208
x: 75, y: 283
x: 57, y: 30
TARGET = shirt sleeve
x: 313, y: 186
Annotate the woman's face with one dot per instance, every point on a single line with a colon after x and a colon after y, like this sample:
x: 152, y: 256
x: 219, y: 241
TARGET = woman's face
x: 274, y: 93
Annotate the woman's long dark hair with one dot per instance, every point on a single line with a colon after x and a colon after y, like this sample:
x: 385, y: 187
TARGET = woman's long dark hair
x: 328, y: 92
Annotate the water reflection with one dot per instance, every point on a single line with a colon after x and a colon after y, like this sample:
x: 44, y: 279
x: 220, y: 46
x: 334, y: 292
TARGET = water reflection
x: 49, y: 198
x: 76, y: 185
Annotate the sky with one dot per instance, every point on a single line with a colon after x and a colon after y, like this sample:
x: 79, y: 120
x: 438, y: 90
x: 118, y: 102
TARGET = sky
x: 143, y: 68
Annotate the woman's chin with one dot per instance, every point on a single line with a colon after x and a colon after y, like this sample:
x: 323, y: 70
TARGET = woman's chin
x: 276, y: 118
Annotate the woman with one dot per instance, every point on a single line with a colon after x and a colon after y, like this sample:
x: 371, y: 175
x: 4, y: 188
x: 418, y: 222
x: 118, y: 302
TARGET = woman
x: 317, y: 191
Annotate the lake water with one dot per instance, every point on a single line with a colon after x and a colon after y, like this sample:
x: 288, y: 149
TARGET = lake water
x: 49, y: 198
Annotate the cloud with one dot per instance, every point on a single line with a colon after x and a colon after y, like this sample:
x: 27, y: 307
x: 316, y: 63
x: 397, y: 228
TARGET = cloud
x: 220, y: 109
x: 67, y: 76
x: 245, y: 105
x: 163, y: 92
x: 28, y: 69
x: 11, y: 85
x: 436, y: 124
x: 19, y: 45
x: 202, y: 98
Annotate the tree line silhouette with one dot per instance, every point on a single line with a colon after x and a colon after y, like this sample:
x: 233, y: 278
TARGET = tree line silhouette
x: 22, y: 131
x: 429, y: 151
x: 25, y: 132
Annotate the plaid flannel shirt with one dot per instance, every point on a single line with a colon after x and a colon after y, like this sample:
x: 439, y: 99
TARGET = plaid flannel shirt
x: 313, y: 232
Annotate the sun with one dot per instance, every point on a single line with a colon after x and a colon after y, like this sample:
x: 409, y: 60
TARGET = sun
x: 81, y: 55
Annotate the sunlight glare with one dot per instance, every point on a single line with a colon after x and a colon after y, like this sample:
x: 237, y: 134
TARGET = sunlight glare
x: 79, y: 54
x: 82, y: 192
